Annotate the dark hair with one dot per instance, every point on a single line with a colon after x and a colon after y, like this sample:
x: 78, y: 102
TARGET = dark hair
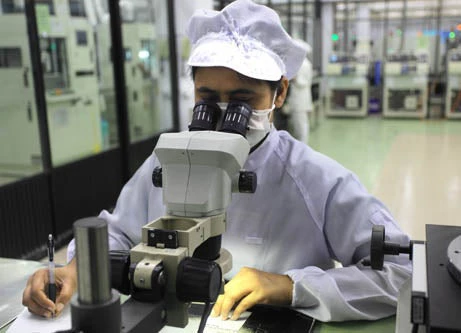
x: 273, y: 85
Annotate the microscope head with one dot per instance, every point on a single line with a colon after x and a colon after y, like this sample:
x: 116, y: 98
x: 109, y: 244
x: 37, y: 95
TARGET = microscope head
x: 200, y: 170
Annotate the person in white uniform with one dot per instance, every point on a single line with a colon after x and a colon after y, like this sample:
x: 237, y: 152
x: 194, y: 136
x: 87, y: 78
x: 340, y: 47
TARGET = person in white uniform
x: 307, y: 210
x: 300, y: 100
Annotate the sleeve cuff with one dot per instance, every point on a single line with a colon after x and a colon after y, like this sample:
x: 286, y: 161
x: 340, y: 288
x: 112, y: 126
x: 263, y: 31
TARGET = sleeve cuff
x: 303, y: 297
x: 71, y: 250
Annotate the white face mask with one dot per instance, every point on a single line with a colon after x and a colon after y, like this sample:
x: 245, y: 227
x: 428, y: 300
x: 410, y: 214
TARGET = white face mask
x: 259, y: 124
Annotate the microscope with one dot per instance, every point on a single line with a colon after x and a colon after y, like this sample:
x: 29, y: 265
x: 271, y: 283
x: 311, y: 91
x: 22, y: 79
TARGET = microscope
x: 179, y: 259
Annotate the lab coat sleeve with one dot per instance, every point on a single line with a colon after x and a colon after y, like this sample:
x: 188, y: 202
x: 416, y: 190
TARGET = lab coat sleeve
x: 354, y: 291
x: 131, y: 210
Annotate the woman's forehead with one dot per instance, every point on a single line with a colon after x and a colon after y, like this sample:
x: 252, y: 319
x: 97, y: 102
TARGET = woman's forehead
x: 225, y: 77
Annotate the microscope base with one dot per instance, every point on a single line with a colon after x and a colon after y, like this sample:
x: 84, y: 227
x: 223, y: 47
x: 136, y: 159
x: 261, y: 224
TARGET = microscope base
x: 100, y: 318
x: 139, y: 317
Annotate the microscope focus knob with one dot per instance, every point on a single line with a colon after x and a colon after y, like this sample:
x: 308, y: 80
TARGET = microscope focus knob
x: 198, y: 280
x: 157, y: 177
x: 379, y: 247
x: 247, y: 182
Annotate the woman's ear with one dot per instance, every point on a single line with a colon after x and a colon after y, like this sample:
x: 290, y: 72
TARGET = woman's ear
x: 281, y: 92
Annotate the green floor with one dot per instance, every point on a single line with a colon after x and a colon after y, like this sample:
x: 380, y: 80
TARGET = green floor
x: 361, y: 144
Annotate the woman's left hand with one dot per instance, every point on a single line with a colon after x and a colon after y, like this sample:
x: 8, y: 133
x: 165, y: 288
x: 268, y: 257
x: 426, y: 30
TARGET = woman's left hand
x: 250, y: 287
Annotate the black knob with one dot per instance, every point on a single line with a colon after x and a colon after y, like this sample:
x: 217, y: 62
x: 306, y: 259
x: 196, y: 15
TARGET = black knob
x: 119, y: 268
x: 198, y: 280
x: 153, y: 276
x: 379, y: 247
x: 247, y: 182
x: 157, y: 177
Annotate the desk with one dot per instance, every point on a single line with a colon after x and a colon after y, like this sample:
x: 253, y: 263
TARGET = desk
x: 13, y: 278
x: 386, y: 325
x: 14, y: 275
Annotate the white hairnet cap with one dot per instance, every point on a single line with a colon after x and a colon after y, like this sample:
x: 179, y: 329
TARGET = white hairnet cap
x: 306, y: 46
x: 246, y: 37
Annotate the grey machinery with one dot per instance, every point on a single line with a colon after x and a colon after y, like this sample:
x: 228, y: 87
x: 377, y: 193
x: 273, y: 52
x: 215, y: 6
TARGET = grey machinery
x: 180, y: 258
x: 453, y: 93
x: 435, y: 295
x: 405, y: 90
x: 347, y: 86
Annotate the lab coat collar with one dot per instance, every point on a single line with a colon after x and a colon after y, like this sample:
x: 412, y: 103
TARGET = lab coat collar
x: 259, y: 157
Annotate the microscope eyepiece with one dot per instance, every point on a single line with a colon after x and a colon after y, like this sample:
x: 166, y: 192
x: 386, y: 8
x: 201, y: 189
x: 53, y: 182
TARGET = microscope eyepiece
x: 236, y: 118
x: 205, y: 116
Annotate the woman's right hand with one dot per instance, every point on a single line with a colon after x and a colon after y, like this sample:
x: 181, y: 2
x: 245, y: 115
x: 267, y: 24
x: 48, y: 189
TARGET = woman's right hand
x: 35, y: 297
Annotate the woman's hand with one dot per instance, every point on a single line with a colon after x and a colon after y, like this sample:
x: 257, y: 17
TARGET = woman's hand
x: 35, y: 298
x: 250, y: 287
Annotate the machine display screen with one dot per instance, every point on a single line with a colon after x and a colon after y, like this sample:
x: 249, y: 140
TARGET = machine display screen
x: 77, y: 8
x: 10, y: 57
x: 82, y: 38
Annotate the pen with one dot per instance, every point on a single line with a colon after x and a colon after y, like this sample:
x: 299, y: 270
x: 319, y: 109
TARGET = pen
x: 51, y: 282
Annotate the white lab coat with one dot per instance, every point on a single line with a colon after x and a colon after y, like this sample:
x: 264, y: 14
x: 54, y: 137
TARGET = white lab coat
x: 300, y: 102
x: 306, y: 211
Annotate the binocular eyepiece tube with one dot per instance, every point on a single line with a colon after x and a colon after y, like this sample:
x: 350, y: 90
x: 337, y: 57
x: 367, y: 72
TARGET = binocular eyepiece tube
x: 208, y: 116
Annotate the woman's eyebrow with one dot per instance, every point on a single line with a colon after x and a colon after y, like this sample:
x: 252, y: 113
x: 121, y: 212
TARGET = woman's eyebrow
x: 232, y: 92
x: 207, y: 90
x: 243, y: 91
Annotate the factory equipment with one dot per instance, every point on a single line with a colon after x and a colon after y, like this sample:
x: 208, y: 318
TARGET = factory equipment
x: 347, y: 86
x: 20, y: 148
x: 69, y: 74
x: 453, y: 91
x: 405, y: 89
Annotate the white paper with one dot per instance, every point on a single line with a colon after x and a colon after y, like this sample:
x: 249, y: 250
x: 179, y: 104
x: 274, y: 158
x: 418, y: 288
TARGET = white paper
x: 31, y: 323
x: 217, y: 325
x: 213, y: 325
